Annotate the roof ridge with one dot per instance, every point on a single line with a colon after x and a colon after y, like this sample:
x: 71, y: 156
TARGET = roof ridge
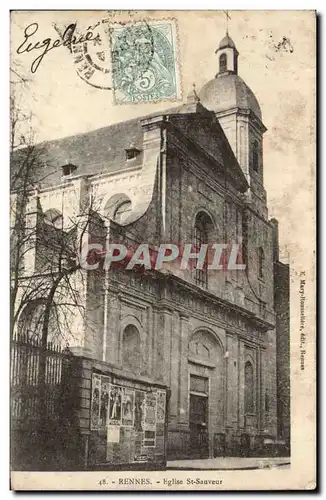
x: 110, y: 126
x: 80, y: 134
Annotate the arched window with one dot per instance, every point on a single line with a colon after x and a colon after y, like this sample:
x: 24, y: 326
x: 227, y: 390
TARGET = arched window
x: 255, y: 156
x: 223, y: 63
x: 122, y: 211
x: 29, y: 334
x: 131, y: 351
x: 249, y: 388
x: 261, y: 262
x: 55, y: 243
x: 30, y: 324
x: 203, y: 228
x: 118, y: 207
x: 53, y: 217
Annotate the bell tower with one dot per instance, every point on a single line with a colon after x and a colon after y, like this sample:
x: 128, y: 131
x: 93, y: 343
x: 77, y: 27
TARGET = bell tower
x: 238, y: 111
x: 227, y: 56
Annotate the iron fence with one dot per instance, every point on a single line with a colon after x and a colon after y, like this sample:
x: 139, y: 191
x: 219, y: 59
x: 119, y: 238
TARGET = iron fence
x: 35, y: 390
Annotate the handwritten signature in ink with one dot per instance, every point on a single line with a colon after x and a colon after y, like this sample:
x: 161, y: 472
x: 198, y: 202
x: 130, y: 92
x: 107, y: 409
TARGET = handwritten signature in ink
x: 68, y: 39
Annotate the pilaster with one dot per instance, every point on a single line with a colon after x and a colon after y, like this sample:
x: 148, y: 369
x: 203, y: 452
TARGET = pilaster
x: 183, y: 370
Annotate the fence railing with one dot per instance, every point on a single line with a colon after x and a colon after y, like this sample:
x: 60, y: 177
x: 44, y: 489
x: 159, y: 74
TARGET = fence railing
x: 32, y: 386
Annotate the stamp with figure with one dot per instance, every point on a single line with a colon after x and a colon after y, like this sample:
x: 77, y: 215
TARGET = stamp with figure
x: 144, y: 61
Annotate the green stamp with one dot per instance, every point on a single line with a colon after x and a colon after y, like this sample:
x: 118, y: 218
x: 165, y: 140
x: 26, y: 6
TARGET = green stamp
x: 144, y: 62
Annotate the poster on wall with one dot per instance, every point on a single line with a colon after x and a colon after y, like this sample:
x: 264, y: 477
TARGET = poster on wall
x: 150, y: 411
x: 114, y: 416
x: 140, y: 454
x: 95, y: 404
x: 149, y: 439
x: 128, y: 398
x: 160, y: 406
x: 139, y: 410
x: 113, y: 433
x: 104, y: 402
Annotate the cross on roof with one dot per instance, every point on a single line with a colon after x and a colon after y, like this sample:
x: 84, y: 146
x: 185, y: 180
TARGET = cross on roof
x: 194, y: 91
x: 227, y: 17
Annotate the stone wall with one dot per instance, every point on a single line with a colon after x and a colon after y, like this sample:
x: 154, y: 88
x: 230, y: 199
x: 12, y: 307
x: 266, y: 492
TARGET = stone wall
x: 169, y: 315
x: 90, y: 444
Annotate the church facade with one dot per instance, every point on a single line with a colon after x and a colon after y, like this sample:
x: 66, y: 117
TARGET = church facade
x: 191, y: 174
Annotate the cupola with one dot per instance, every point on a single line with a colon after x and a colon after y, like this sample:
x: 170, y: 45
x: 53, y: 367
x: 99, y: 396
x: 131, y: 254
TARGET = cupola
x: 227, y: 56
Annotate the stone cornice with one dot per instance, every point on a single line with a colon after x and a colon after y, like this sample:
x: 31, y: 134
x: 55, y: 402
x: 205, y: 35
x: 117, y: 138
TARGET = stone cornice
x: 246, y: 113
x: 230, y: 315
x: 193, y: 289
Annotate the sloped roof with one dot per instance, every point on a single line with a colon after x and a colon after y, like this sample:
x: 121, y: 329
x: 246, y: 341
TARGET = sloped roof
x: 103, y: 150
x: 94, y: 152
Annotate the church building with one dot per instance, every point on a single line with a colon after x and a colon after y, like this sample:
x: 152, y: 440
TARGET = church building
x: 191, y: 174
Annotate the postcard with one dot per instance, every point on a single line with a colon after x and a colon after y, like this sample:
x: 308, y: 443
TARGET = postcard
x: 163, y: 241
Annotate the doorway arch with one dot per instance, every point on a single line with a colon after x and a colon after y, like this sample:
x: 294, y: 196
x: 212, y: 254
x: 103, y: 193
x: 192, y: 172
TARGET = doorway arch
x: 206, y: 367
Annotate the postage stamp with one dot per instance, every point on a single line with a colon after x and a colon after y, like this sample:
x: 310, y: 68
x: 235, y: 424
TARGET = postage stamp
x: 144, y: 61
x: 162, y: 270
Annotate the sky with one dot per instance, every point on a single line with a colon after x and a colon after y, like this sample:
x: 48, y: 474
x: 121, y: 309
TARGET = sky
x: 281, y: 75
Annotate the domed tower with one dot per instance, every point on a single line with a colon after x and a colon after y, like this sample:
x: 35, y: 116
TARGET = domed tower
x: 239, y: 114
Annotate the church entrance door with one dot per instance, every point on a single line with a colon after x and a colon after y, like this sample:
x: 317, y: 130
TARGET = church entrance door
x: 198, y: 423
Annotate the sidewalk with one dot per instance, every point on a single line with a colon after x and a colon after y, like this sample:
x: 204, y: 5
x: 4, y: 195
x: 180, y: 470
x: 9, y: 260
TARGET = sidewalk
x: 229, y: 463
